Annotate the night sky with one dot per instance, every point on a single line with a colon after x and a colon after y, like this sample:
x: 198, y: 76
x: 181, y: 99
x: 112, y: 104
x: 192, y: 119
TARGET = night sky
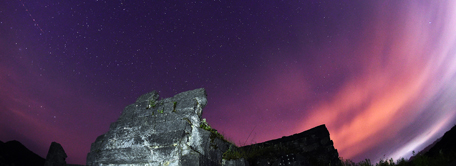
x: 380, y: 74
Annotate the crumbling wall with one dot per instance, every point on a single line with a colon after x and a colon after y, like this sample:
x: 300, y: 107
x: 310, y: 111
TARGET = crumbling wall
x: 171, y: 132
x: 312, y: 147
x: 160, y: 132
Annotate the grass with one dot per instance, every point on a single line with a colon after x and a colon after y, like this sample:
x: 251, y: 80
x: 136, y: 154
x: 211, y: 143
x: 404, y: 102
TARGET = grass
x: 214, y: 133
x: 443, y: 159
x: 418, y: 160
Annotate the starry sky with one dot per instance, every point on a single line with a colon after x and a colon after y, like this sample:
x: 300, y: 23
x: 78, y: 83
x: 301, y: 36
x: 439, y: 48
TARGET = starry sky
x: 380, y: 74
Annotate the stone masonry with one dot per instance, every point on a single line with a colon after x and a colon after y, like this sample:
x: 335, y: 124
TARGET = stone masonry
x: 170, y: 132
x: 312, y: 147
x: 160, y: 132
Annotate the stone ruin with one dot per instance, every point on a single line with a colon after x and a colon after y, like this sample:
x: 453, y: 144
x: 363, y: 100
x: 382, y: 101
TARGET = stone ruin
x: 171, y: 132
x: 56, y: 155
x: 311, y: 147
x: 160, y: 132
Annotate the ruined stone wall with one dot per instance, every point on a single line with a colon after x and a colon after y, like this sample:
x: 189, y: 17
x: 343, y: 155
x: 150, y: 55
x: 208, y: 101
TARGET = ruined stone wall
x: 171, y: 132
x: 311, y: 147
x: 160, y: 132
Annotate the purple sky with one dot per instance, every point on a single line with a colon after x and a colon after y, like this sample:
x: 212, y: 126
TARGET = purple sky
x: 380, y: 74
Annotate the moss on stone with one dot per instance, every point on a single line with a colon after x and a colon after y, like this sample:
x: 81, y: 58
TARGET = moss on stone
x: 214, y: 134
x: 188, y: 120
x: 232, y: 154
x: 151, y: 104
x: 174, y: 106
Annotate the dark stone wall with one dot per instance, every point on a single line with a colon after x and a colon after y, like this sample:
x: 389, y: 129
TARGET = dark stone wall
x: 312, y: 147
x: 56, y: 155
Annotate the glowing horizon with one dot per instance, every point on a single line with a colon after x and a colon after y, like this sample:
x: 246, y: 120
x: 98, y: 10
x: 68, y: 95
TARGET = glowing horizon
x: 390, y: 95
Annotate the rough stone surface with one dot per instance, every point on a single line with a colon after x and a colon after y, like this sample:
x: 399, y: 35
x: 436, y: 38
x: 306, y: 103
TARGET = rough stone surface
x: 56, y: 155
x: 237, y: 162
x: 160, y: 132
x: 311, y: 147
x: 171, y: 132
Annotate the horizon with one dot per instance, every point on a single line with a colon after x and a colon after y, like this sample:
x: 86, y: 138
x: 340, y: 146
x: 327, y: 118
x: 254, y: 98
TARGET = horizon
x: 394, y: 159
x: 379, y: 75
